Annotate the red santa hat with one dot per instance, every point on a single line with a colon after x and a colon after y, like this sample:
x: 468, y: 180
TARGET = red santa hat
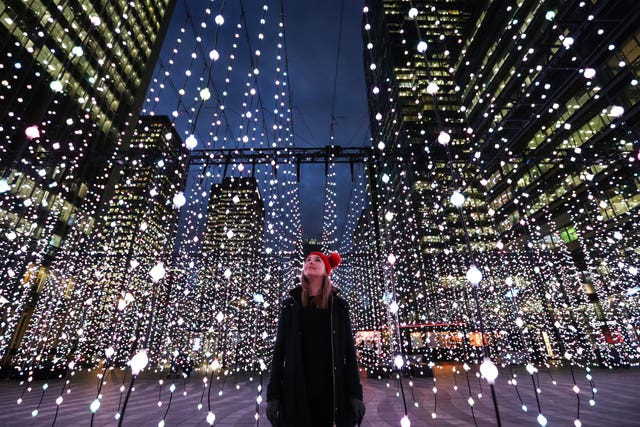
x: 330, y: 261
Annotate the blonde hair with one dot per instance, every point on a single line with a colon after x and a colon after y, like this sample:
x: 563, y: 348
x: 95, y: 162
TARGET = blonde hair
x: 320, y: 301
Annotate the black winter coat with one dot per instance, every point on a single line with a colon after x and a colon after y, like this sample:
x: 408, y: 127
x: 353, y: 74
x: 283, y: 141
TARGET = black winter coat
x: 286, y: 383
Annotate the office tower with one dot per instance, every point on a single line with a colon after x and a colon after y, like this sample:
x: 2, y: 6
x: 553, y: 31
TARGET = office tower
x: 235, y: 288
x: 517, y: 126
x: 131, y: 305
x: 73, y: 77
x: 107, y: 288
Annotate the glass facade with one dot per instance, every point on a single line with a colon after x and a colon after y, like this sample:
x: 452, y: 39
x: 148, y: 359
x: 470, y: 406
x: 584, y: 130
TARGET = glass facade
x: 538, y: 103
x: 73, y: 76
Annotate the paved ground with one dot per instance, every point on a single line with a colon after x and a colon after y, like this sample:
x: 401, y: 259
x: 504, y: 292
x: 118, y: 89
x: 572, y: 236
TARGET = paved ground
x: 233, y: 400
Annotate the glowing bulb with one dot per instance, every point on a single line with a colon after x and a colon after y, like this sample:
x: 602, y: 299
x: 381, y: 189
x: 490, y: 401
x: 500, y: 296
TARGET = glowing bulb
x: 95, y: 20
x: 211, y: 418
x: 474, y: 276
x: 219, y: 20
x: 542, y: 420
x: 157, y: 272
x: 398, y: 361
x: 422, y: 46
x: 393, y: 307
x: 109, y: 351
x: 405, y: 422
x: 214, y: 55
x: 457, y: 199
x: 179, y: 200
x: 32, y: 132
x: 77, y: 51
x: 205, y: 94
x: 138, y: 362
x: 413, y: 12
x: 95, y: 405
x: 432, y: 88
x: 385, y: 178
x: 391, y: 258
x: 616, y: 111
x: 56, y: 86
x: 589, y: 73
x: 489, y: 371
x: 191, y: 142
x: 4, y: 185
x: 567, y: 42
x: 444, y: 138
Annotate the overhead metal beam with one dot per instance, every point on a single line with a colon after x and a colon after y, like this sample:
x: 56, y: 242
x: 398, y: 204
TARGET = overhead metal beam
x: 294, y: 156
x: 353, y: 155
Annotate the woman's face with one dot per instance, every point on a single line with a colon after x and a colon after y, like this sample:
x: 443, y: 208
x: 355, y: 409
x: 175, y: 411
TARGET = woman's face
x: 313, y: 266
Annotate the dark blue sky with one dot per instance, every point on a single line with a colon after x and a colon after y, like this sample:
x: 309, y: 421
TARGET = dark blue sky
x: 313, y: 45
x: 311, y: 30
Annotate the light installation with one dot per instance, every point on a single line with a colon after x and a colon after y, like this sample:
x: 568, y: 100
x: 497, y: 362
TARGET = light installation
x: 456, y: 252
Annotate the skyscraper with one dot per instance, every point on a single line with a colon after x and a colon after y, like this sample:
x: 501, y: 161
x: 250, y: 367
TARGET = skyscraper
x: 73, y: 77
x: 236, y: 288
x: 139, y: 235
x: 517, y: 126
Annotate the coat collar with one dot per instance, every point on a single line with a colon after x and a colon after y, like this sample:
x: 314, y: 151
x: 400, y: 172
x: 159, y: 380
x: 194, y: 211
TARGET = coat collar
x: 296, y: 294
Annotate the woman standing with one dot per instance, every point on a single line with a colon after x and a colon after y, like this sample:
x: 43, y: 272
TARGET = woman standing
x: 314, y: 375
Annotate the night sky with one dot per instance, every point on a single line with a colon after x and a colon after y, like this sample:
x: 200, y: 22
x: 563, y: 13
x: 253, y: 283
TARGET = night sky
x: 311, y: 31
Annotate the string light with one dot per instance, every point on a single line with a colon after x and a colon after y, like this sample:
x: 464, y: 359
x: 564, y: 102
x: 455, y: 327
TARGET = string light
x: 536, y: 278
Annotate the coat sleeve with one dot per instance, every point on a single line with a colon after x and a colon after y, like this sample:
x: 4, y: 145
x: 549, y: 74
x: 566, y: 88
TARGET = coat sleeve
x: 274, y: 388
x: 352, y: 377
